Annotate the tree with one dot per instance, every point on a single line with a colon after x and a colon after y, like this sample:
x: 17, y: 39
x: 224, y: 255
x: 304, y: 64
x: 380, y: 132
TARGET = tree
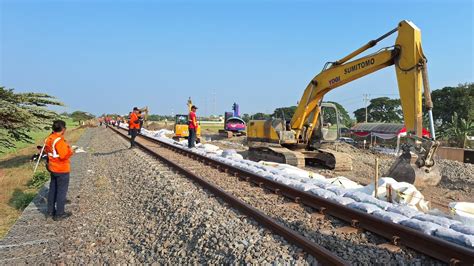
x: 382, y: 109
x: 450, y: 100
x: 246, y: 118
x: 21, y: 113
x: 288, y: 112
x: 457, y: 130
x: 260, y: 116
x: 80, y: 116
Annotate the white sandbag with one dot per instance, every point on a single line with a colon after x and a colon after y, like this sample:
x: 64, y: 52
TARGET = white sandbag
x: 362, y: 197
x: 366, y: 207
x: 403, y: 210
x: 292, y: 171
x: 337, y: 190
x: 402, y: 193
x: 463, y: 228
x: 316, y: 182
x: 228, y: 152
x: 343, y: 182
x: 381, y: 193
x: 305, y: 186
x: 444, y: 222
x: 232, y: 154
x: 390, y: 216
x: 183, y: 142
x: 325, y: 185
x: 287, y: 182
x: 405, y: 193
x: 425, y: 227
x: 209, y: 147
x: 455, y: 237
x: 322, y: 192
x: 162, y: 133
x: 340, y: 200
x: 463, y: 212
x: 270, y: 177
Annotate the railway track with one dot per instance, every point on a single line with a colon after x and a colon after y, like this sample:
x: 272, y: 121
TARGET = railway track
x: 306, y: 217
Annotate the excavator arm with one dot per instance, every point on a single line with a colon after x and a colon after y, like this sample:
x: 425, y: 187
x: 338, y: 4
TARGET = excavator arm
x: 406, y: 55
x: 337, y: 75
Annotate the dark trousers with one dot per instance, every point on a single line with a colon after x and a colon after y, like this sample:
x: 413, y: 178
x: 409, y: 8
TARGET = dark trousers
x: 133, y: 134
x: 191, y: 137
x: 57, y: 193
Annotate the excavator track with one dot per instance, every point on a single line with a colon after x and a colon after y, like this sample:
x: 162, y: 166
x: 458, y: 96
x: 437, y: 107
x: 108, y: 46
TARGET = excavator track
x: 278, y: 155
x: 332, y: 159
x: 329, y: 158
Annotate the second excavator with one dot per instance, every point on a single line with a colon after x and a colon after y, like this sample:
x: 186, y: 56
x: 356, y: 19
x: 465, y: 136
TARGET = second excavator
x: 305, y: 138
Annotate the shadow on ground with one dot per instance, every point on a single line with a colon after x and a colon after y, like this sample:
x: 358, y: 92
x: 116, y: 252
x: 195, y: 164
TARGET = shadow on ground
x: 15, y: 161
x: 109, y: 153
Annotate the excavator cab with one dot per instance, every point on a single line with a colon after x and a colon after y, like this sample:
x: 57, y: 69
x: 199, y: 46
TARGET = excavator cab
x: 328, y: 128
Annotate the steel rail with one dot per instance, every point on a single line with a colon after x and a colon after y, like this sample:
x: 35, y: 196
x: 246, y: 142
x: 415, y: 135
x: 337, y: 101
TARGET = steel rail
x: 320, y: 253
x: 399, y: 235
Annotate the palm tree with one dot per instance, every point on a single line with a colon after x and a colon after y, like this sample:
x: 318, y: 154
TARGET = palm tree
x: 457, y: 130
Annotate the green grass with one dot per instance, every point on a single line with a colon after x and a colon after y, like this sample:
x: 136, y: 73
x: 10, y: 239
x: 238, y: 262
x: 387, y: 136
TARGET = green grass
x: 211, y: 128
x: 20, y: 199
x: 38, y: 180
x: 37, y: 136
x: 18, y: 185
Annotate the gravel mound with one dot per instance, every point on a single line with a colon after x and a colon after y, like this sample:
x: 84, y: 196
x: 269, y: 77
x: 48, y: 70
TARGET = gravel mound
x: 456, y: 175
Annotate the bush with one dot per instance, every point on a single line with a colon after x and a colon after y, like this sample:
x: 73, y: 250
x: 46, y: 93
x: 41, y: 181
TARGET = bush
x: 38, y: 180
x: 20, y: 199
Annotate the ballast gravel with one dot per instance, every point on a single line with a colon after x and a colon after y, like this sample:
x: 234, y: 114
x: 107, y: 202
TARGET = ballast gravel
x: 130, y: 208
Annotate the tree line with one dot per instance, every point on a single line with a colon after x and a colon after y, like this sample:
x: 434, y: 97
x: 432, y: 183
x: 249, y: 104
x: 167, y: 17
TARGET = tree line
x: 453, y: 112
x: 22, y: 113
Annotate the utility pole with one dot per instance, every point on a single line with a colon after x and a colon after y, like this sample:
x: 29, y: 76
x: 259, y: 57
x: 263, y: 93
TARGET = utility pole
x: 214, y: 94
x: 366, y: 100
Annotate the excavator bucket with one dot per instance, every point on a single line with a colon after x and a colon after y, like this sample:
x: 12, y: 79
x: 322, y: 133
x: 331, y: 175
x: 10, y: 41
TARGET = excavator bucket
x: 404, y: 169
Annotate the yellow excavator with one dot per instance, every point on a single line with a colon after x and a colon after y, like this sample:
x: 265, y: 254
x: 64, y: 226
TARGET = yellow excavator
x: 304, y: 139
x: 181, y: 123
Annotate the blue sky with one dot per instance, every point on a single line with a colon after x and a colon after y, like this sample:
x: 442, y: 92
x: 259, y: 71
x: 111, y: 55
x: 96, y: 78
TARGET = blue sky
x: 108, y: 56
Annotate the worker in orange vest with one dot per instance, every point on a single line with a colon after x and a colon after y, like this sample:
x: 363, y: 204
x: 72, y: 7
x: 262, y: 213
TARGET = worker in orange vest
x: 192, y: 127
x: 58, y: 164
x: 133, y: 126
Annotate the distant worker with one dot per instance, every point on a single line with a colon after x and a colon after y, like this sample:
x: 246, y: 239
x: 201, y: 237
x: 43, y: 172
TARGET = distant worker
x: 119, y: 120
x: 140, y: 118
x: 59, y: 152
x: 134, y: 126
x: 129, y: 116
x: 192, y: 127
x: 107, y: 121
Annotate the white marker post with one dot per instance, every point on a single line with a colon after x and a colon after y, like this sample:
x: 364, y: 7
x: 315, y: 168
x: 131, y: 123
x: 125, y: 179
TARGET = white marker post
x: 39, y: 158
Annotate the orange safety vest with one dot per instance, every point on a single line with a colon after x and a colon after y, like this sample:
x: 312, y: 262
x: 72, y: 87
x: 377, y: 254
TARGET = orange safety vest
x: 134, y: 123
x: 59, y: 153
